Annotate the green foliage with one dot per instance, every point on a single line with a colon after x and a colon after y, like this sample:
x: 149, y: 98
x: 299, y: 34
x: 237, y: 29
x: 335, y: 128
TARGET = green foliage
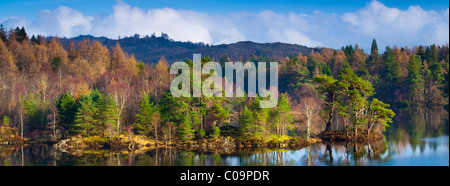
x: 391, y: 74
x: 246, y: 123
x: 36, y: 111
x: 312, y: 65
x: 109, y: 114
x: 172, y: 109
x: 5, y: 121
x: 325, y: 69
x: 378, y: 113
x: 201, y: 133
x: 415, y: 80
x: 283, y: 115
x: 144, y: 117
x: 94, y: 114
x: 56, y: 61
x: 140, y: 66
x: 327, y: 86
x: 354, y: 92
x: 215, y: 133
x: 185, y: 129
x: 85, y: 119
x: 67, y: 109
x: 219, y: 113
x: 296, y: 74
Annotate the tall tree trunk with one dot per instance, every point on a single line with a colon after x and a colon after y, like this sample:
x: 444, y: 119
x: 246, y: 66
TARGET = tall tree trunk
x: 307, y: 130
x: 156, y: 135
x: 330, y: 119
x: 21, y: 122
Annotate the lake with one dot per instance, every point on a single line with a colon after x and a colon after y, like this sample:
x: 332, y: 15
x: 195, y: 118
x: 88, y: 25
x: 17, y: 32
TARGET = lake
x: 416, y: 138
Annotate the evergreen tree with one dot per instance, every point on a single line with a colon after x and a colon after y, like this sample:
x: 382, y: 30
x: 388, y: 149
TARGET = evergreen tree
x: 391, y: 75
x: 378, y: 113
x: 85, y: 118
x: 144, y: 117
x: 36, y: 111
x: 67, y: 109
x: 172, y: 109
x: 354, y: 93
x: 109, y: 113
x: 3, y: 33
x: 283, y: 112
x: 260, y: 116
x: 246, y: 123
x: 6, y: 121
x: 374, y: 59
x: 327, y: 87
x: 415, y: 80
x: 185, y: 129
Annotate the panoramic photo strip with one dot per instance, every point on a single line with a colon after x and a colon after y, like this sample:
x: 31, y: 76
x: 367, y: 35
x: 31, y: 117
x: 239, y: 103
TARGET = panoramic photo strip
x: 224, y: 90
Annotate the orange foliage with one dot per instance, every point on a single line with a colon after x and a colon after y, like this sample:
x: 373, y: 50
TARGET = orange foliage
x: 80, y: 90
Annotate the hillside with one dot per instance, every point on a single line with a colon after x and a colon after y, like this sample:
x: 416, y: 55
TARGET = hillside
x: 150, y: 49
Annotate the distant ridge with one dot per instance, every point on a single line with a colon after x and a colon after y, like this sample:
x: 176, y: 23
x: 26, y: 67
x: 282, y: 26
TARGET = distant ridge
x: 150, y: 49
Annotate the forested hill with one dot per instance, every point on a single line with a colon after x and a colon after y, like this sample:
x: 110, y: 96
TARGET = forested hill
x: 150, y: 49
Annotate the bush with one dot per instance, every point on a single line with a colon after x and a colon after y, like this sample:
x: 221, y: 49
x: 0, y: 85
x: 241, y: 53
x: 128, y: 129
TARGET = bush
x: 215, y: 133
x: 201, y: 133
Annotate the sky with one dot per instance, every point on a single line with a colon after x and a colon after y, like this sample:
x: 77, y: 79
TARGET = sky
x: 320, y: 23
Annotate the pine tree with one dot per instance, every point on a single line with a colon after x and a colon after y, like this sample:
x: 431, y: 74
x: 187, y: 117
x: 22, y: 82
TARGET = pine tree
x: 246, y: 123
x: 3, y: 33
x: 284, y: 114
x: 109, y: 112
x: 260, y: 116
x: 85, y: 118
x: 415, y: 80
x: 185, y: 130
x: 373, y: 63
x: 67, y: 109
x: 328, y: 88
x: 378, y: 113
x: 391, y: 75
x: 354, y: 93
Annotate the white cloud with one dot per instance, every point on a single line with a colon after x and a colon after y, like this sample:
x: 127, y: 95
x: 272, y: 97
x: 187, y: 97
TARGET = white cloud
x: 412, y: 26
x: 389, y: 26
x: 178, y: 24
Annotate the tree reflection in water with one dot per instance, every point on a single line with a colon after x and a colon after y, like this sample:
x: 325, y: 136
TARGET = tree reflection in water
x: 413, y: 134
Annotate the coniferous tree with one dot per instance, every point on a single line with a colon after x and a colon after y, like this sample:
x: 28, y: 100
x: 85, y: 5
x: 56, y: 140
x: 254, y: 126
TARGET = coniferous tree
x: 144, y: 117
x: 374, y: 59
x: 284, y: 116
x: 246, y: 123
x: 328, y: 88
x: 378, y: 113
x: 67, y: 109
x: 415, y: 80
x: 3, y: 33
x: 85, y: 118
x: 185, y: 130
x: 109, y: 112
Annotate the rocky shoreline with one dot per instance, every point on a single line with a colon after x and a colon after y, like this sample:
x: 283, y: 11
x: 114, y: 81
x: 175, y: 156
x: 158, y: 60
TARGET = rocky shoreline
x: 221, y: 144
x: 342, y: 136
x: 78, y: 143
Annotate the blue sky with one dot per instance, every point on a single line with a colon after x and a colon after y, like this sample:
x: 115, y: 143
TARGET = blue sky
x: 312, y: 23
x: 30, y: 8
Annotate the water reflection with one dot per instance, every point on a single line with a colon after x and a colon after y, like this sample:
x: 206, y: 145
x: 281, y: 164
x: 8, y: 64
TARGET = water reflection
x: 418, y: 137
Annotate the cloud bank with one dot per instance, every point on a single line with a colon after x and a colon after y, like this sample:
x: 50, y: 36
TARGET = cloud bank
x: 390, y: 26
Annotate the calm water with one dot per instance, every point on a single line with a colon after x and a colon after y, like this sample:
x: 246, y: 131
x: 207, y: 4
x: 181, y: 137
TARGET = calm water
x: 415, y: 138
